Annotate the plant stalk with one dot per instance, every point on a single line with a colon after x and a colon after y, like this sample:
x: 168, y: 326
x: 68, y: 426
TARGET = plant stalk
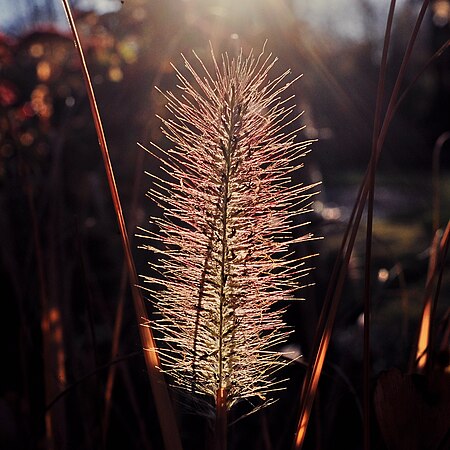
x: 332, y: 299
x: 221, y: 420
x: 422, y: 352
x: 162, y: 399
x: 368, y: 255
x: 436, y: 202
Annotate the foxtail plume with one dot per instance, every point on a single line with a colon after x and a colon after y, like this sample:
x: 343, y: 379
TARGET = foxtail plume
x: 224, y: 264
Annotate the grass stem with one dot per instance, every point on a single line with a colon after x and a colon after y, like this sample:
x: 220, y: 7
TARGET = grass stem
x: 369, y: 230
x: 163, y: 404
x: 334, y: 292
x: 221, y: 420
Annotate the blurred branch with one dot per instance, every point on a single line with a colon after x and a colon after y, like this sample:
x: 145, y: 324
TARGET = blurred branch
x: 435, y: 56
x: 89, y: 375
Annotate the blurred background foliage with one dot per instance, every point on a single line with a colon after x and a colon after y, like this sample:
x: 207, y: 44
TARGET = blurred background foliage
x: 61, y: 263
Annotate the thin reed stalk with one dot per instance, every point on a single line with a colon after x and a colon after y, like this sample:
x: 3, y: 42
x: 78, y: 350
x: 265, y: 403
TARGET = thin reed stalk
x: 369, y: 230
x: 85, y: 377
x: 436, y: 201
x: 367, y: 304
x: 117, y: 328
x: 47, y: 353
x: 163, y: 404
x: 436, y: 55
x: 422, y: 352
x: 334, y: 291
x: 118, y: 321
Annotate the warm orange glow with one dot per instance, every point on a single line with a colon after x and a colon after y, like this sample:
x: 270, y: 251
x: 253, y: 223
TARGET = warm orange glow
x: 309, y: 390
x: 54, y: 316
x: 115, y: 74
x: 302, y: 430
x: 40, y: 101
x: 57, y: 337
x: 26, y: 139
x: 49, y: 430
x: 43, y: 70
x: 441, y: 13
x: 36, y: 50
x: 424, y: 336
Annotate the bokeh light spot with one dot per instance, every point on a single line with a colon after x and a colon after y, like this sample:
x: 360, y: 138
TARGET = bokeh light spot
x: 115, y: 74
x: 36, y: 50
x: 70, y: 101
x: 43, y: 71
x: 26, y: 139
x: 383, y: 275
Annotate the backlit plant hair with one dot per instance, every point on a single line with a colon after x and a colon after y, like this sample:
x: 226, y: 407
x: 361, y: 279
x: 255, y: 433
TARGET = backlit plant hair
x: 225, y: 239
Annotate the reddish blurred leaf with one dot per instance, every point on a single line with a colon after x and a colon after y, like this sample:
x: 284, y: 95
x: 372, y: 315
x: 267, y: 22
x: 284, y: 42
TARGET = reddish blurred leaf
x: 8, y: 93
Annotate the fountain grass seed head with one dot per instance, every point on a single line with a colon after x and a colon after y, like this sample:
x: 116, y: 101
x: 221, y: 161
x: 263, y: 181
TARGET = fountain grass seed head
x: 224, y: 245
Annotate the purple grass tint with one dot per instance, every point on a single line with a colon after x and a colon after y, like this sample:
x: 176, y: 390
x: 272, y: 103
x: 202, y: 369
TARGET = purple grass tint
x: 226, y: 265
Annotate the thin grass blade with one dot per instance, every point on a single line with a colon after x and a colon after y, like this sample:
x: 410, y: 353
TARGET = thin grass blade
x: 162, y: 399
x: 340, y: 269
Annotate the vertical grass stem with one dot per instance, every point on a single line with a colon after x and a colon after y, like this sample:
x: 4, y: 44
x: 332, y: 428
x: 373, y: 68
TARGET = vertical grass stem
x: 221, y: 420
x: 161, y: 396
x: 334, y: 292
